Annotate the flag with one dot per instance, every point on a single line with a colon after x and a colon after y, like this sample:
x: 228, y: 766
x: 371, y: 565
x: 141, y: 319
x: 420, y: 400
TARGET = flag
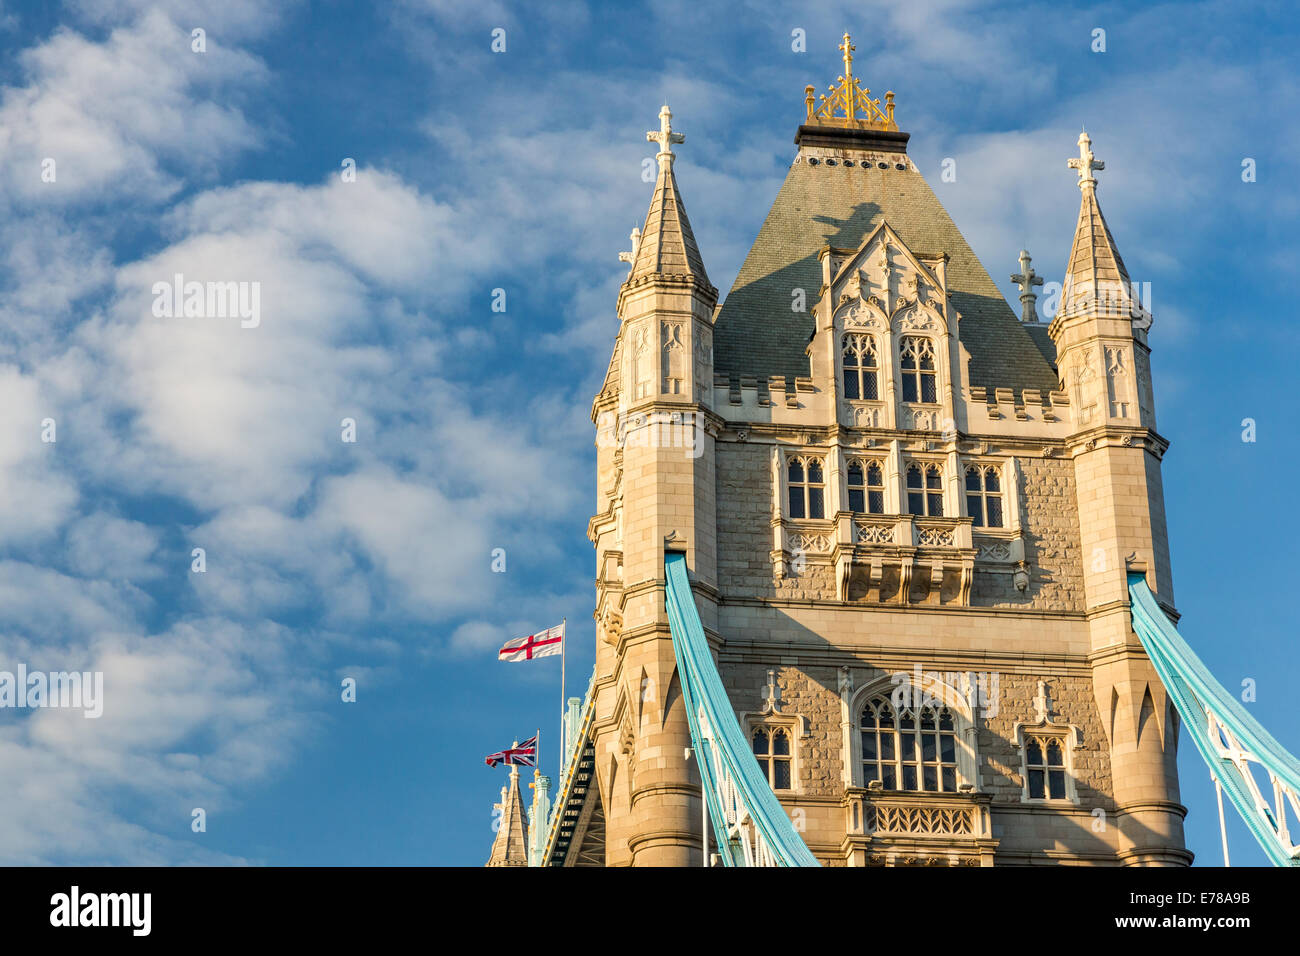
x: 524, y: 754
x: 545, y: 643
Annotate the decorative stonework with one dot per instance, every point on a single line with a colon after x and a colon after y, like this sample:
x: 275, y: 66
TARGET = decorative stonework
x: 863, y: 414
x: 673, y: 359
x: 847, y: 103
x: 1117, y: 377
x: 934, y: 537
x: 810, y: 543
x: 920, y: 819
x: 1027, y: 279
x: 703, y: 372
x: 921, y: 419
x: 642, y: 375
x: 995, y: 551
x: 875, y: 533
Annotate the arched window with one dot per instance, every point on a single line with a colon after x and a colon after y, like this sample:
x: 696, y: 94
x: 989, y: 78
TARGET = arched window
x: 860, y: 366
x: 772, y: 750
x: 807, y: 487
x: 907, y: 748
x: 917, y: 366
x: 1045, y: 768
x: 984, y: 496
x: 925, y: 490
x: 866, y: 487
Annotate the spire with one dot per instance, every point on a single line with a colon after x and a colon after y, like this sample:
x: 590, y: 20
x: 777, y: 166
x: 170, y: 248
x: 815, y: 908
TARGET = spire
x: 667, y: 245
x: 1096, y: 281
x: 510, y: 848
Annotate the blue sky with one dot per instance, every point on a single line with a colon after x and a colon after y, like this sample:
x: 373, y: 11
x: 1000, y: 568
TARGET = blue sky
x: 520, y: 171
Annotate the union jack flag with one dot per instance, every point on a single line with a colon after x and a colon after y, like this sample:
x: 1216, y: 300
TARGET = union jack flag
x: 524, y: 754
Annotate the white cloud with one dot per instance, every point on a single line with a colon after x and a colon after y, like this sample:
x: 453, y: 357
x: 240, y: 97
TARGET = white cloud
x: 181, y: 433
x: 115, y: 116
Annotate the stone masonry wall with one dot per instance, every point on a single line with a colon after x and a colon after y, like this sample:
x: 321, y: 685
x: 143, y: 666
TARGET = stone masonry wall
x: 1050, y: 522
x: 811, y: 694
x: 744, y: 475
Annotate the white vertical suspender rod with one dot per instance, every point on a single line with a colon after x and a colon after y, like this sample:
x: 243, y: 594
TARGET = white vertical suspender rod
x: 1223, y: 830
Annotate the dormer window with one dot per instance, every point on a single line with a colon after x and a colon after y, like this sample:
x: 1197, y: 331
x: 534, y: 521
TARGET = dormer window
x: 860, y: 367
x: 917, y: 367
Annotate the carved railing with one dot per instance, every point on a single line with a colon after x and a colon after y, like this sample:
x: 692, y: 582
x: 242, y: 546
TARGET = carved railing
x: 931, y: 535
x: 821, y: 536
x: 875, y: 532
x: 944, y: 815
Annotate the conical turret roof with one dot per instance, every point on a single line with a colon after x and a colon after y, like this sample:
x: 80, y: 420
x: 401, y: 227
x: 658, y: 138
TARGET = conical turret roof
x: 1096, y: 280
x: 510, y: 848
x: 667, y: 243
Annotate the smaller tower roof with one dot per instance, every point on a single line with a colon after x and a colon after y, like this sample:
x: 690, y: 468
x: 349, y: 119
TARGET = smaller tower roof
x: 510, y: 848
x: 666, y: 245
x: 1095, y: 276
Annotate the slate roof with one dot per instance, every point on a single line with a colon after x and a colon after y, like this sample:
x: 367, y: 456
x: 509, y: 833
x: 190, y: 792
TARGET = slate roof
x: 667, y: 242
x: 756, y: 332
x: 1095, y: 265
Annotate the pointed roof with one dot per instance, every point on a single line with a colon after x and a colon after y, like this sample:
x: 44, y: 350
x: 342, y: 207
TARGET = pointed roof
x: 667, y: 243
x: 851, y: 174
x: 1094, y: 253
x: 823, y: 203
x: 1095, y: 274
x: 510, y: 848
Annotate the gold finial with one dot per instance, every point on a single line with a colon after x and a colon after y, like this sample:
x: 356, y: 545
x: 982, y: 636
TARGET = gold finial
x: 848, y: 103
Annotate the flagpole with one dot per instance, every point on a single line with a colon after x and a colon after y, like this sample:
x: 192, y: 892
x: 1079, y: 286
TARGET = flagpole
x: 564, y: 704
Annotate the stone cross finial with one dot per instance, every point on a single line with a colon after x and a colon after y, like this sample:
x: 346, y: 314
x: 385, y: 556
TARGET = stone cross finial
x: 665, y: 137
x: 1026, y: 279
x: 1086, y: 162
x: 635, y: 236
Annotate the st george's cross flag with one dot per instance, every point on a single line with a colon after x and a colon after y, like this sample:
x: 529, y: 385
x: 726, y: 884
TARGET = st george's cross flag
x: 545, y: 643
x: 524, y: 754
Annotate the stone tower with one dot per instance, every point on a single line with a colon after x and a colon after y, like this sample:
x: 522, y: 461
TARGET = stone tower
x: 907, y: 516
x: 657, y: 488
x: 1100, y: 334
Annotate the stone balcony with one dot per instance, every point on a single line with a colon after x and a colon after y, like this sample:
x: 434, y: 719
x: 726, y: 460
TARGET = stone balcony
x: 903, y: 828
x: 885, y: 559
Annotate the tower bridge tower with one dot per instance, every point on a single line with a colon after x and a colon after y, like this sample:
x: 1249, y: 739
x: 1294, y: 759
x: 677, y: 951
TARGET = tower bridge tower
x: 907, y: 516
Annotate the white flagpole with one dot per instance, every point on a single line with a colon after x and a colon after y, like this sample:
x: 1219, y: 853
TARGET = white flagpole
x: 1223, y: 829
x: 564, y: 704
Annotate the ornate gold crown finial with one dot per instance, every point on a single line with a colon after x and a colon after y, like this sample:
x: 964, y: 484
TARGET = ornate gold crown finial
x: 848, y: 103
